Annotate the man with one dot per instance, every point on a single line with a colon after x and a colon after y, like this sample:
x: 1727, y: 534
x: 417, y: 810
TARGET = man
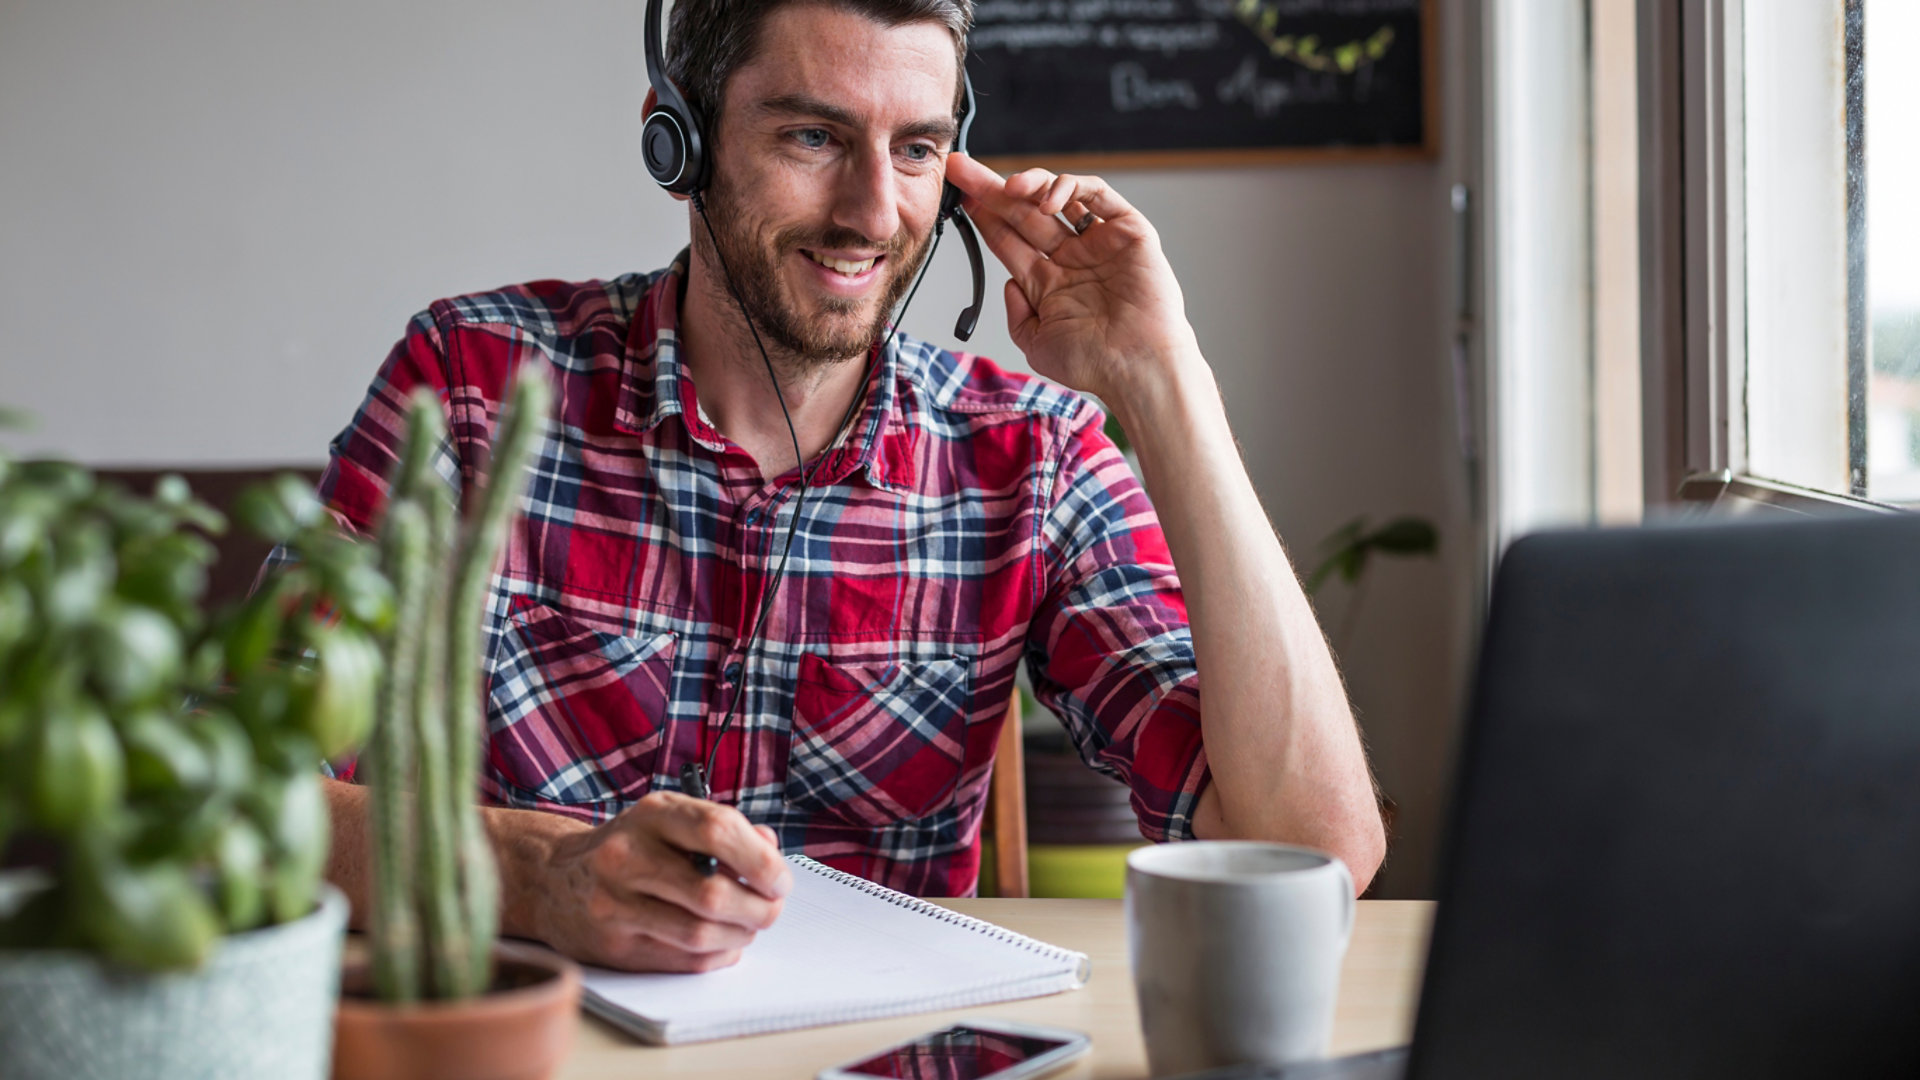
x: 961, y: 520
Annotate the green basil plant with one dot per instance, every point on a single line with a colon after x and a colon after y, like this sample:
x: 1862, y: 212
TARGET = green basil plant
x: 160, y: 766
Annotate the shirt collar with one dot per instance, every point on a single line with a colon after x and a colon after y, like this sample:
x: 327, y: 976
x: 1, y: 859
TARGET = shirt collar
x: 655, y: 385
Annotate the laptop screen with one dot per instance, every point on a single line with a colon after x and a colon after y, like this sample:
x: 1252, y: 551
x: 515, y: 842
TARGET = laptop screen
x: 1686, y: 839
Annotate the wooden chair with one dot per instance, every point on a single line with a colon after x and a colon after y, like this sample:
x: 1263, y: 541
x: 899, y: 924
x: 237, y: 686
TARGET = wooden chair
x: 1007, y: 807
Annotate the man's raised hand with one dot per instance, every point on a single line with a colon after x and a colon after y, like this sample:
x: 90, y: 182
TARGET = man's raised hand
x: 1092, y: 302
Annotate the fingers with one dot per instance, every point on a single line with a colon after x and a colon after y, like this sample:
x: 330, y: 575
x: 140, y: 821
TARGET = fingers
x: 1089, y: 193
x: 1050, y: 210
x: 1021, y: 258
x: 1028, y: 204
x: 710, y: 828
x: 675, y: 926
x: 718, y: 897
x: 1019, y: 313
x: 972, y: 177
x: 655, y: 938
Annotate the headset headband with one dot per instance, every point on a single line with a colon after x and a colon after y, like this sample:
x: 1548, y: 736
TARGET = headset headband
x: 672, y: 141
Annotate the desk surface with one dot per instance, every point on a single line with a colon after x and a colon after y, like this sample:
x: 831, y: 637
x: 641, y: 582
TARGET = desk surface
x: 1377, y: 991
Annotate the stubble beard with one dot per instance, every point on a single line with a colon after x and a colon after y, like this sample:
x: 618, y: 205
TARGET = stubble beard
x: 798, y: 342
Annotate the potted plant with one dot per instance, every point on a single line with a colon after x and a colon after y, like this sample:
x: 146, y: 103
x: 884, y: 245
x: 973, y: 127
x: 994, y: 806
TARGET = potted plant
x: 438, y: 995
x: 161, y: 818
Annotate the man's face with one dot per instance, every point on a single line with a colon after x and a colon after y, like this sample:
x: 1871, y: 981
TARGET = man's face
x: 828, y: 162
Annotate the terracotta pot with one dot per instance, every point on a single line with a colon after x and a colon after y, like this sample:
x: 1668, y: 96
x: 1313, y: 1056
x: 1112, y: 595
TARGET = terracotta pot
x: 521, y: 1030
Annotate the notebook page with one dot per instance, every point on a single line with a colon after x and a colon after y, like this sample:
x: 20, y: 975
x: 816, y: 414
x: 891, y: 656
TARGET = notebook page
x: 838, y: 954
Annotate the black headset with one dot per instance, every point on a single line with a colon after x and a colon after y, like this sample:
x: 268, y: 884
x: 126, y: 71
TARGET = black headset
x: 673, y: 145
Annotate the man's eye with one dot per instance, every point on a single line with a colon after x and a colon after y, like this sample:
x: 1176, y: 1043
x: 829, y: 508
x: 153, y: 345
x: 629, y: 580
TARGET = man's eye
x: 812, y: 138
x: 918, y: 152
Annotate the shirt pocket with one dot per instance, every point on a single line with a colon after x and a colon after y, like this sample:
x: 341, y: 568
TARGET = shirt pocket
x: 877, y: 743
x: 577, y: 715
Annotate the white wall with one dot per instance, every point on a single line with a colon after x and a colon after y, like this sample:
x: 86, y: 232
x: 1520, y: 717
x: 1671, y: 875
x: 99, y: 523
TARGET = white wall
x: 216, y: 215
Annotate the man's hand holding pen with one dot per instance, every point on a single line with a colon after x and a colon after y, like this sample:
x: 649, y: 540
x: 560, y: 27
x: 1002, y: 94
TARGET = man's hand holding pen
x: 626, y: 894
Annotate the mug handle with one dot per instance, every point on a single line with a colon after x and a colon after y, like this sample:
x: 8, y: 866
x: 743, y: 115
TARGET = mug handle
x: 1346, y: 896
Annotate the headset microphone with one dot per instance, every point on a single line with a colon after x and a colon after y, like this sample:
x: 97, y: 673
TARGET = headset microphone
x: 950, y: 198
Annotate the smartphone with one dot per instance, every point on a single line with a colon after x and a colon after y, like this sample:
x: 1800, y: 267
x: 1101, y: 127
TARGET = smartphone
x: 975, y: 1050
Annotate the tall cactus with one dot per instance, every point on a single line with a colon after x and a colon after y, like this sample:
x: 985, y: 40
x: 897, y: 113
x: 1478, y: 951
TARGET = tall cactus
x: 436, y: 904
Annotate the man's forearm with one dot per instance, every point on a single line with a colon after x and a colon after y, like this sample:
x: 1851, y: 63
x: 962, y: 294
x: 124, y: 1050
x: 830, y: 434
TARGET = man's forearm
x: 522, y: 843
x: 1282, y: 746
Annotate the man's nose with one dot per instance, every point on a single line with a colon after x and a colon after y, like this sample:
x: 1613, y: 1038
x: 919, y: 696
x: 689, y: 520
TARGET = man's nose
x: 868, y: 199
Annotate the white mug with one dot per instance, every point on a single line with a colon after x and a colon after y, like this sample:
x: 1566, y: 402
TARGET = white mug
x: 1236, y: 948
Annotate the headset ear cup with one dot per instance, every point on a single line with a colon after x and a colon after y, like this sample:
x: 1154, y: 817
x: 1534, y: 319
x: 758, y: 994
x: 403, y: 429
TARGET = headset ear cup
x: 663, y: 148
x: 670, y: 148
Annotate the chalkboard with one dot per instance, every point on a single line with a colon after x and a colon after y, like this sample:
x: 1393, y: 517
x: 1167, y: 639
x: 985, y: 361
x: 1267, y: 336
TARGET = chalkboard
x: 1147, y: 82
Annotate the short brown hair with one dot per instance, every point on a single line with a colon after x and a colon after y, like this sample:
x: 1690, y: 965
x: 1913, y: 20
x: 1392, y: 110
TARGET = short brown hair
x: 709, y: 40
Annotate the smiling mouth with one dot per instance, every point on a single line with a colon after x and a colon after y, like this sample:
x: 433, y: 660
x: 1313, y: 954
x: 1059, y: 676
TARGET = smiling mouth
x: 850, y: 268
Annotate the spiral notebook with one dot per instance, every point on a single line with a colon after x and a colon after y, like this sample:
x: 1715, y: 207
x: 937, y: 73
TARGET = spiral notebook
x: 844, y: 949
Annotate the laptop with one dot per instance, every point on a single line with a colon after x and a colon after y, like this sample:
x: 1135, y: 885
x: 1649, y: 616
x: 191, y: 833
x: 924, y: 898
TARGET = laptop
x: 1686, y: 835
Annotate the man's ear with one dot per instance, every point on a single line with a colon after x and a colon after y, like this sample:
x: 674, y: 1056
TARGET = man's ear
x: 646, y: 109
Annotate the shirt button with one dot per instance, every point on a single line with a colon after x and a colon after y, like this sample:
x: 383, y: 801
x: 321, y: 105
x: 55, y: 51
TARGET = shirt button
x: 754, y: 516
x: 733, y: 671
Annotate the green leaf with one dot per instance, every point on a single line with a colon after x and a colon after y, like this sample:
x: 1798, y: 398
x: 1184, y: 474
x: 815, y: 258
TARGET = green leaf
x: 260, y: 511
x: 25, y: 514
x: 1352, y: 561
x: 334, y: 706
x: 135, y: 653
x: 167, y: 572
x: 1406, y: 536
x: 297, y: 497
x: 228, y: 750
x: 240, y: 860
x: 64, y: 479
x: 147, y: 917
x: 172, y: 492
x: 82, y: 572
x: 163, y: 757
x: 1348, y: 547
x: 292, y: 813
x: 264, y: 698
x: 1344, y: 537
x: 16, y: 614
x: 252, y: 632
x: 363, y: 594
x: 78, y: 769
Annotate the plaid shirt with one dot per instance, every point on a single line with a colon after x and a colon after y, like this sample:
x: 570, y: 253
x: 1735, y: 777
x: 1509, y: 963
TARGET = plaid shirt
x: 969, y: 519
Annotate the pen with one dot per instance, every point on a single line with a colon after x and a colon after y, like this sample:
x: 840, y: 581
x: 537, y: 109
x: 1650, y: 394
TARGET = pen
x: 693, y: 781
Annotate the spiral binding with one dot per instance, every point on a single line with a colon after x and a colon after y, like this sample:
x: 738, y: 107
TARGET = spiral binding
x: 935, y: 911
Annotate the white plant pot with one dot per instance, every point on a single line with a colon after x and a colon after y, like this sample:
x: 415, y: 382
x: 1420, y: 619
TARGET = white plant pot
x: 262, y: 1006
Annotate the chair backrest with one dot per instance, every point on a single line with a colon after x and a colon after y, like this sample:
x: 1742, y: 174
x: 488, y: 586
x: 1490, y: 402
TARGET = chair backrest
x: 1007, y: 807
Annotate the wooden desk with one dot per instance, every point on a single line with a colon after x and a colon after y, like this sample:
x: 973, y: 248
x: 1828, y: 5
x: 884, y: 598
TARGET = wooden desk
x: 1377, y: 992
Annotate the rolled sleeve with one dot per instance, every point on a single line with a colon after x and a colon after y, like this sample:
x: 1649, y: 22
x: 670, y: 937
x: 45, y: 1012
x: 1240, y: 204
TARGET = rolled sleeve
x: 1109, y: 649
x: 362, y: 457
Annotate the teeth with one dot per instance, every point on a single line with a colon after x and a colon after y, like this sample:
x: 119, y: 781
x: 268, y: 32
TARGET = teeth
x: 842, y: 265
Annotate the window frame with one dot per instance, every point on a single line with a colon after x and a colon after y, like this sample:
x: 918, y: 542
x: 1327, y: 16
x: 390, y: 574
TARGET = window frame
x: 1693, y: 270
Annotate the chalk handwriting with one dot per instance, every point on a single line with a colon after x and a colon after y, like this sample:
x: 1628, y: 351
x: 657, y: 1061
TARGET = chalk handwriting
x: 1134, y: 90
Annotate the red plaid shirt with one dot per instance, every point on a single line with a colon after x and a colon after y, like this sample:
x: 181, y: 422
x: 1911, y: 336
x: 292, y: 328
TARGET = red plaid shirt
x: 970, y: 519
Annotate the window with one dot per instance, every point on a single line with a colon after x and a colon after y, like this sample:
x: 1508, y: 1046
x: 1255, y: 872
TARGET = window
x: 1782, y: 147
x: 1890, y: 144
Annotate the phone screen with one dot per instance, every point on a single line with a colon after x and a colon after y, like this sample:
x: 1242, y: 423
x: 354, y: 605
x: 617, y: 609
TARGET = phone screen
x: 958, y: 1053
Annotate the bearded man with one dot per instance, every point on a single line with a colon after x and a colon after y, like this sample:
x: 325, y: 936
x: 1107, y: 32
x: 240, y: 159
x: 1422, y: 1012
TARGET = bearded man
x: 959, y: 521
